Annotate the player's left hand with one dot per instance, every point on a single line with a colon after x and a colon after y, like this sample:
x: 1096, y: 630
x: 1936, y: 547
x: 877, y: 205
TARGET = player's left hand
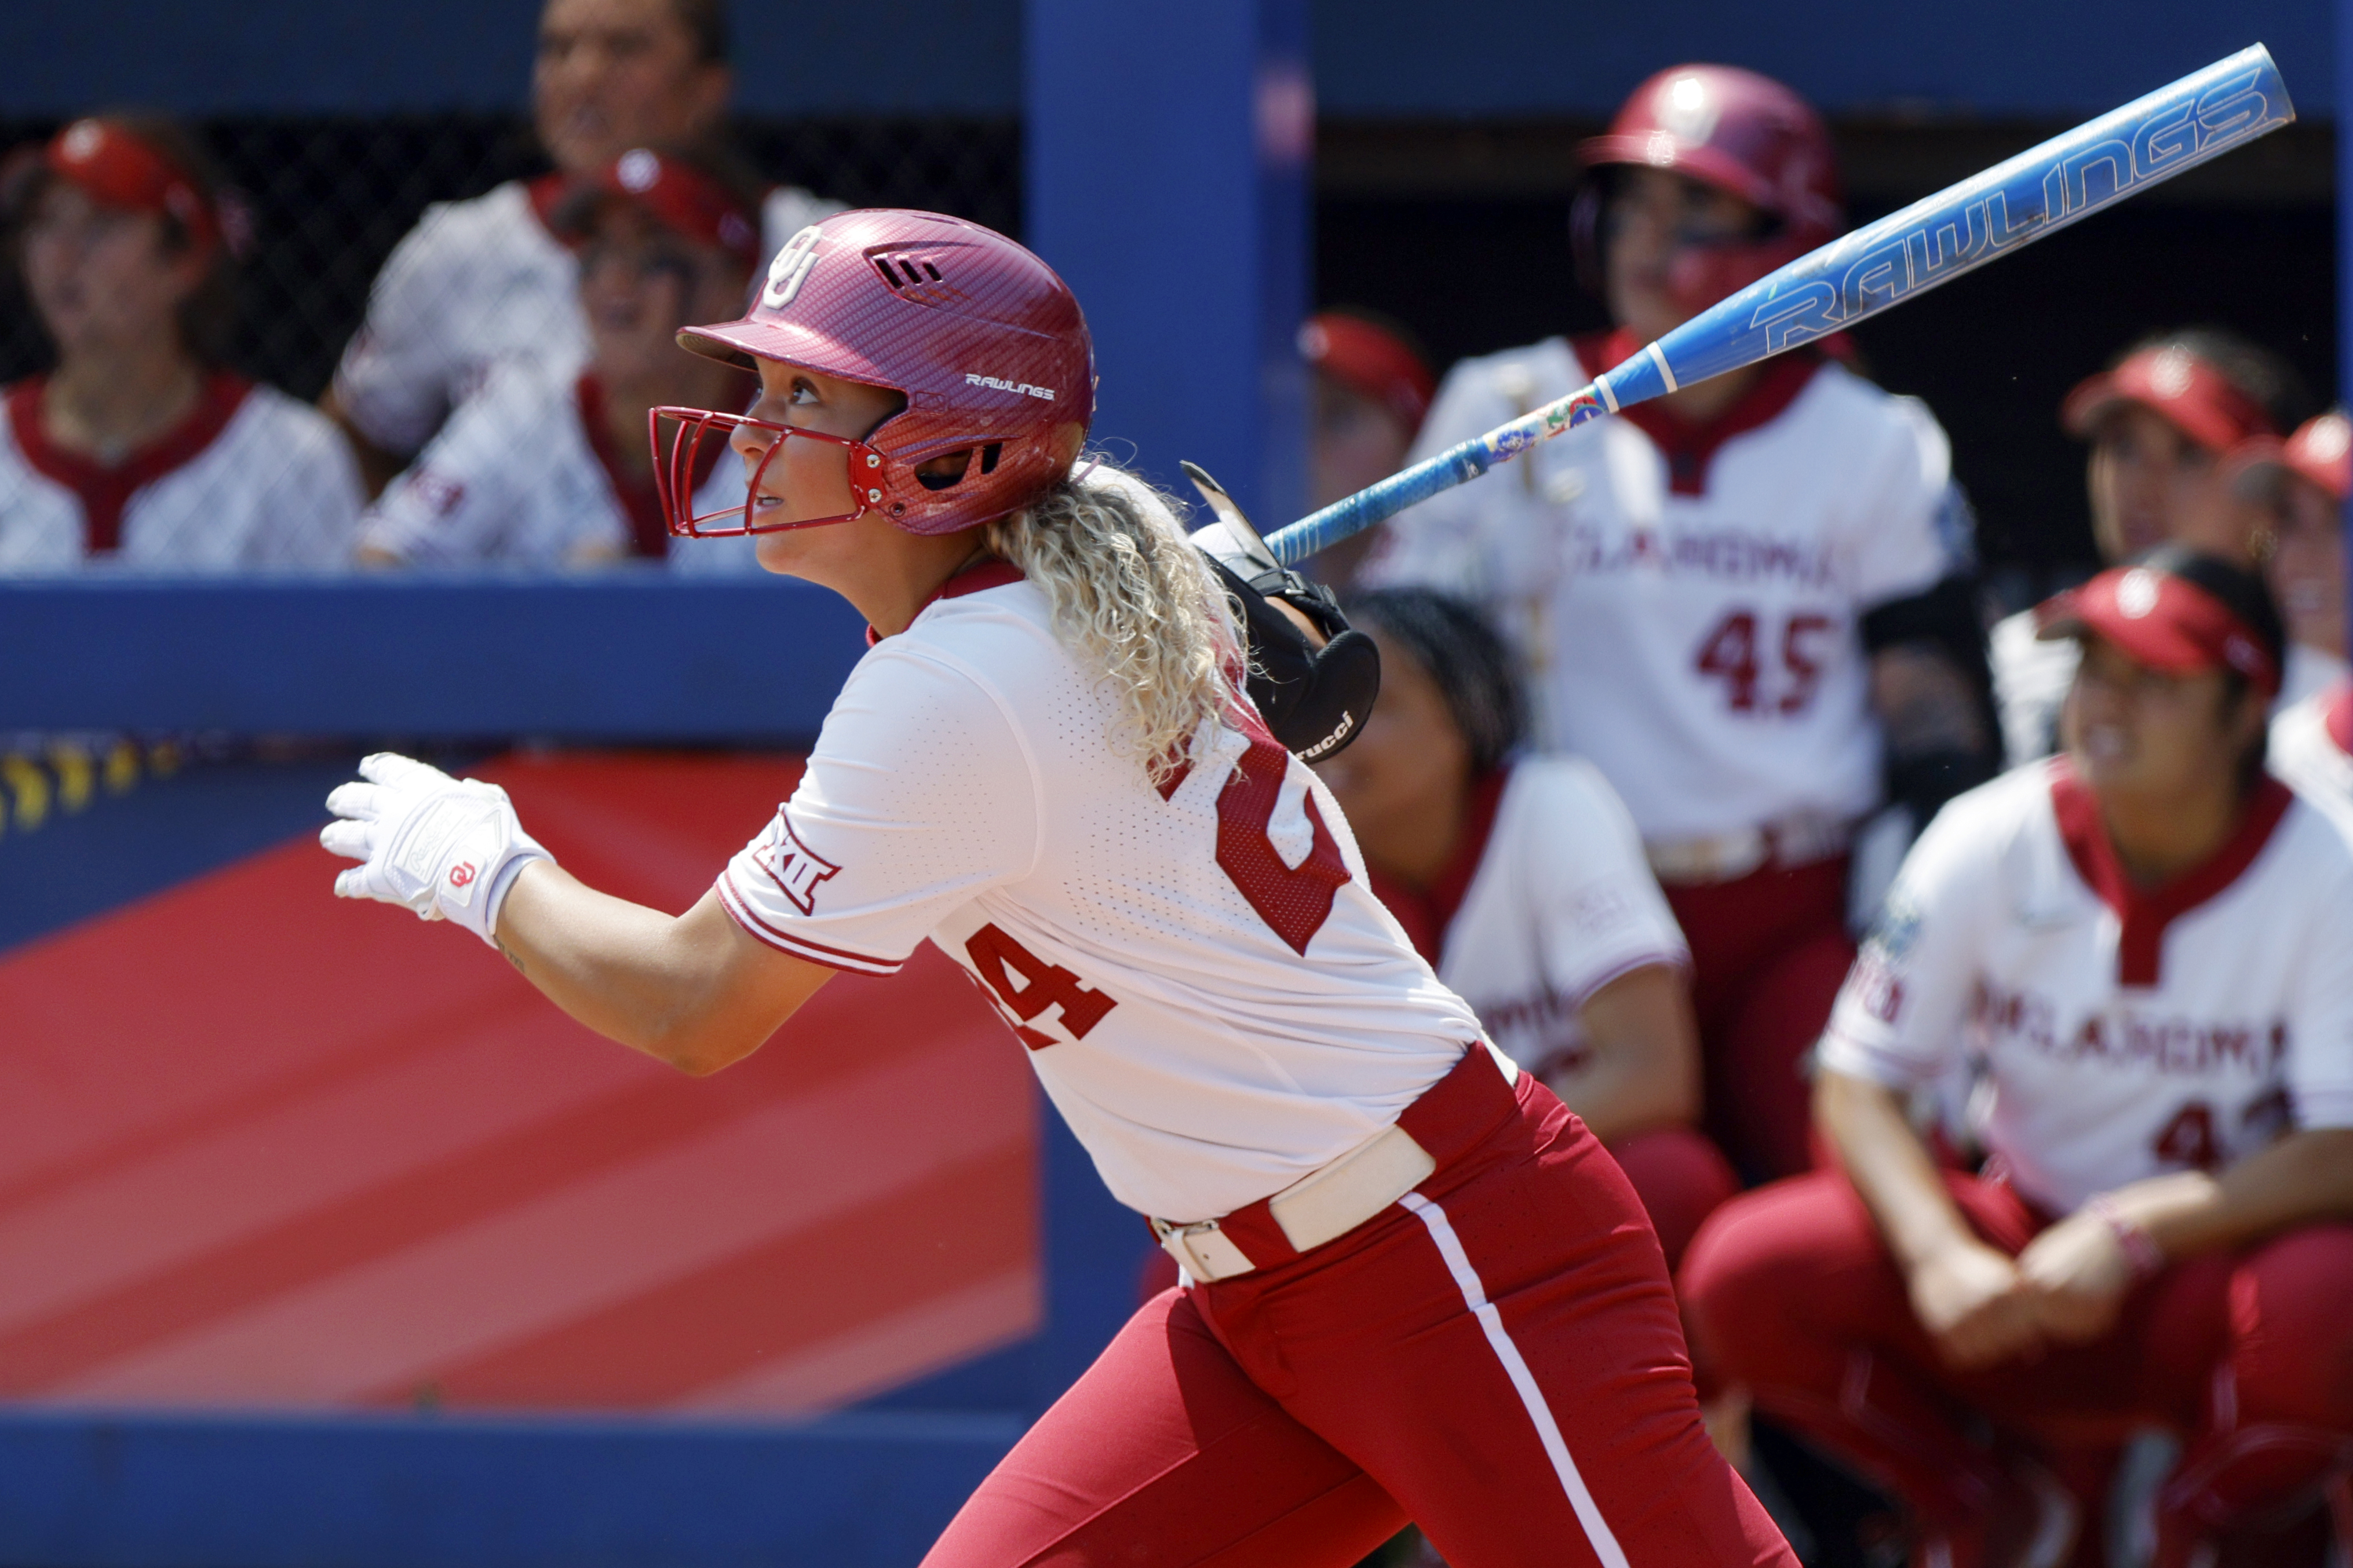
x: 445, y: 848
x: 2078, y: 1275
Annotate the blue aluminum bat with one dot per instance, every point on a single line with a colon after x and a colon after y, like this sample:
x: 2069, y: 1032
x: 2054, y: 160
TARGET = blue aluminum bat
x: 1934, y: 240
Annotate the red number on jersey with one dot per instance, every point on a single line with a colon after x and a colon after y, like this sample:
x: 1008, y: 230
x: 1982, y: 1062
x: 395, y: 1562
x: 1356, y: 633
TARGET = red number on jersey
x: 2189, y: 1139
x: 1295, y: 899
x: 1805, y: 668
x: 1730, y: 651
x: 1043, y: 985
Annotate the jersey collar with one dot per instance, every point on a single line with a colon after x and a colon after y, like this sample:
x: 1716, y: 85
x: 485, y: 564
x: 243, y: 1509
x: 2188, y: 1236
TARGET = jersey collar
x: 1689, y: 449
x: 986, y: 571
x: 2145, y: 912
x: 105, y: 491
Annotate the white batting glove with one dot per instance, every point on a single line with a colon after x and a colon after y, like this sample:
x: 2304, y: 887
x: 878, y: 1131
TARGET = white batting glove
x: 448, y: 848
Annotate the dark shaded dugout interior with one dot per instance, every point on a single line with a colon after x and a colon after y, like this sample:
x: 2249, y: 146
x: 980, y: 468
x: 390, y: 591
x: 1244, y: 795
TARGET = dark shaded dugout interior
x: 1461, y: 230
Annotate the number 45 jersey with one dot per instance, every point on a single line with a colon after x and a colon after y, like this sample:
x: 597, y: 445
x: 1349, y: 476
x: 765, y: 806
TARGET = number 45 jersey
x: 1212, y: 996
x: 2126, y: 1031
x: 1688, y: 598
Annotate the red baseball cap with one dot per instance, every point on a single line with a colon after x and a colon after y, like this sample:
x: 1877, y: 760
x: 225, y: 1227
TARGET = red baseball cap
x: 2321, y: 451
x: 2179, y: 612
x: 2179, y: 387
x: 679, y: 196
x: 118, y: 169
x: 1363, y: 355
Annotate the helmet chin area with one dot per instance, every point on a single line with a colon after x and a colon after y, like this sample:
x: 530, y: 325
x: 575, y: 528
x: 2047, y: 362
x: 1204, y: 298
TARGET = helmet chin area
x: 700, y: 439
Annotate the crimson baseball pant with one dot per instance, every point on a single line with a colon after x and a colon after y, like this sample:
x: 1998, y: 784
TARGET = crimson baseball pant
x: 1768, y: 954
x: 1497, y: 1357
x: 2248, y: 1355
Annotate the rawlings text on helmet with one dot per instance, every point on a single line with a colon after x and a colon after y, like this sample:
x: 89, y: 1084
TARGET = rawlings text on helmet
x: 996, y: 384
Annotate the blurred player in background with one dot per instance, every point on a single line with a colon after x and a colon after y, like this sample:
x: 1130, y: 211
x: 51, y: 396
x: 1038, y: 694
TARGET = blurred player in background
x: 2145, y: 939
x: 1372, y: 387
x: 140, y: 447
x: 487, y: 277
x: 2302, y: 483
x: 1746, y: 603
x: 548, y: 465
x: 1419, y: 1287
x: 2160, y: 422
x: 1522, y: 880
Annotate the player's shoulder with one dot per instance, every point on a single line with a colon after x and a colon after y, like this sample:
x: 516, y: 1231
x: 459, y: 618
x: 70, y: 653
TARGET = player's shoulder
x: 2312, y: 849
x: 1565, y: 801
x: 500, y: 223
x: 1860, y: 409
x: 2004, y: 830
x: 1532, y: 374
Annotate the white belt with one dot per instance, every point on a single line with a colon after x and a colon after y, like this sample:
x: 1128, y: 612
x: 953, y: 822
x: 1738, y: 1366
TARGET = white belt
x: 1798, y: 839
x: 1326, y: 1204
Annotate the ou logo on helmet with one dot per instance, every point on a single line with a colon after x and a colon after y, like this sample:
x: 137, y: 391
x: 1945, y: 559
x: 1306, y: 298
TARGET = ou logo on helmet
x: 791, y: 266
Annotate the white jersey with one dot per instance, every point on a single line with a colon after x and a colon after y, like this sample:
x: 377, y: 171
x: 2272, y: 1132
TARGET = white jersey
x: 250, y: 480
x: 2030, y: 680
x: 1208, y: 989
x: 2123, y: 1033
x: 520, y: 476
x: 474, y: 282
x: 1689, y: 612
x: 2309, y: 745
x: 1562, y: 904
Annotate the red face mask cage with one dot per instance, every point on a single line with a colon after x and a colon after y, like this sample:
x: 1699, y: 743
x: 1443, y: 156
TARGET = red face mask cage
x: 675, y: 468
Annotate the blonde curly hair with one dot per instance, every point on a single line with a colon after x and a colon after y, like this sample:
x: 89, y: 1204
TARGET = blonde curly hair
x: 1132, y: 596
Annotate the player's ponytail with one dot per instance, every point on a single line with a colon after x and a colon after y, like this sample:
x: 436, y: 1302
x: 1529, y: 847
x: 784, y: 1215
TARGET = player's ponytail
x: 1133, y: 597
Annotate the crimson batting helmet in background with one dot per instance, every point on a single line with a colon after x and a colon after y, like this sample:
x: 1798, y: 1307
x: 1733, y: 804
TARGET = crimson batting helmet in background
x: 987, y: 345
x: 1739, y: 133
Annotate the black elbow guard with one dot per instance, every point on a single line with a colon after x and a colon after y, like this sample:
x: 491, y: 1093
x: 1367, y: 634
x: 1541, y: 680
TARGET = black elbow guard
x: 1313, y: 699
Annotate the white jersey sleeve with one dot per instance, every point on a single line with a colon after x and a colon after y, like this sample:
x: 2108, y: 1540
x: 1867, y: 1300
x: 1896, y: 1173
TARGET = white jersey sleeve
x: 1911, y: 525
x: 1898, y: 1018
x: 474, y: 282
x: 919, y: 797
x: 1458, y: 539
x: 510, y: 478
x: 1562, y: 904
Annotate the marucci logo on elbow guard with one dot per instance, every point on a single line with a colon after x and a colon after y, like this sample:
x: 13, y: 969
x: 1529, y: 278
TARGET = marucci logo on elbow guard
x: 996, y: 383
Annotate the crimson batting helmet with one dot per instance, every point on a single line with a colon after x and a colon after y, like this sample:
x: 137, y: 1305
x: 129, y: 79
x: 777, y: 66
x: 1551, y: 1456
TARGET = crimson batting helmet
x: 986, y: 343
x: 1737, y: 131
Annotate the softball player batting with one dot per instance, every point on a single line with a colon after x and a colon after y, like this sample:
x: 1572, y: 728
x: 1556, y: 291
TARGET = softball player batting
x: 1417, y: 1288
x: 2145, y: 940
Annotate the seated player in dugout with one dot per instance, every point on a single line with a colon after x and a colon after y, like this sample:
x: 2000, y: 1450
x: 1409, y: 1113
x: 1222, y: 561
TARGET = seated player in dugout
x: 1749, y: 604
x: 548, y: 465
x: 2301, y: 486
x: 1522, y: 882
x: 2159, y: 423
x: 2145, y: 940
x: 1372, y: 387
x: 1418, y: 1288
x: 490, y: 277
x: 139, y: 445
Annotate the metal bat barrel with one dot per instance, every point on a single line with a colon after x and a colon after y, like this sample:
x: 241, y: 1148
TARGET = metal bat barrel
x: 1858, y: 275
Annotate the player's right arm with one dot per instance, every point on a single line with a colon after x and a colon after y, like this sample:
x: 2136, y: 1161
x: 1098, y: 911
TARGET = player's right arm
x: 691, y: 990
x: 1894, y: 1029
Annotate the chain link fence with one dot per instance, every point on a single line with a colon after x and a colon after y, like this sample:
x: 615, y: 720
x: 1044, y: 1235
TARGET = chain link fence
x: 329, y: 196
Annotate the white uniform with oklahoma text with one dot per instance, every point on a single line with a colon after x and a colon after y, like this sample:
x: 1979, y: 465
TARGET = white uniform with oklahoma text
x: 1561, y: 905
x: 512, y: 479
x: 276, y: 490
x: 1209, y: 991
x: 1702, y: 650
x: 1993, y: 943
x: 474, y: 282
